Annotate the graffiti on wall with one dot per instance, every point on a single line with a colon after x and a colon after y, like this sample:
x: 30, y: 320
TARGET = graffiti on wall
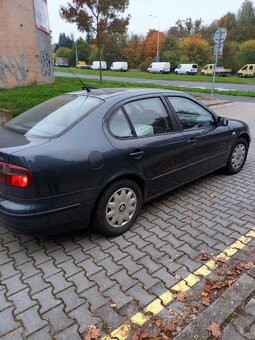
x: 45, y: 61
x: 14, y: 66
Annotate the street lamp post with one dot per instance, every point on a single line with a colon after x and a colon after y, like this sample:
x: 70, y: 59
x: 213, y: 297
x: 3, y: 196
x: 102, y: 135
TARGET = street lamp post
x: 155, y: 16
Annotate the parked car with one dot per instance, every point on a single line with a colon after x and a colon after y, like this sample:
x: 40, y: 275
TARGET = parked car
x: 186, y: 69
x: 96, y: 65
x: 159, y: 67
x: 82, y: 65
x: 119, y: 66
x: 208, y: 70
x: 247, y: 70
x: 62, y: 62
x: 97, y: 156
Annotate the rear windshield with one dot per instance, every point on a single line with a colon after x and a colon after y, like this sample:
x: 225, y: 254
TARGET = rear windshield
x: 54, y: 116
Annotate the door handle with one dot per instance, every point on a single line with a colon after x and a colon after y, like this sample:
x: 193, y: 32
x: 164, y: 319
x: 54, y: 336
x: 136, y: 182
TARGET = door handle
x: 137, y: 154
x: 192, y: 140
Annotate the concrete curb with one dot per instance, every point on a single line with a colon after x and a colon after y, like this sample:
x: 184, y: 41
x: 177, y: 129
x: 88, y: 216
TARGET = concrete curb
x: 221, y: 309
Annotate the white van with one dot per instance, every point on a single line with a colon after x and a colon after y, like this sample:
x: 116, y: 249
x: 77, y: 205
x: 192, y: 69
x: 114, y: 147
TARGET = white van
x: 186, y: 69
x: 96, y: 65
x: 119, y: 66
x: 159, y: 67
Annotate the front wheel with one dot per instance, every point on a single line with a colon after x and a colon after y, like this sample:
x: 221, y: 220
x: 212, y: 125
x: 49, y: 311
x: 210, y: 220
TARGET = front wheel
x: 237, y: 156
x: 118, y: 207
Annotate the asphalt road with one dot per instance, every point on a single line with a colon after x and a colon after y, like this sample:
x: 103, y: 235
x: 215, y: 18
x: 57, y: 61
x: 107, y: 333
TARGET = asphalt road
x: 192, y: 84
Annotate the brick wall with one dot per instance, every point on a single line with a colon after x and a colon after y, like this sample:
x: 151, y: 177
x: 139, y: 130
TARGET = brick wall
x: 25, y: 51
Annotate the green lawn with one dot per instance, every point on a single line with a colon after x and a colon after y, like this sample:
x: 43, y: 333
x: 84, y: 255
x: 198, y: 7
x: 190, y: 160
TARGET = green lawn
x: 171, y: 76
x: 19, y: 99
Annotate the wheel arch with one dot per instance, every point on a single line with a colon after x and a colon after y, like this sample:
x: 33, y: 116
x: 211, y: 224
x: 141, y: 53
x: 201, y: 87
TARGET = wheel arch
x: 245, y: 136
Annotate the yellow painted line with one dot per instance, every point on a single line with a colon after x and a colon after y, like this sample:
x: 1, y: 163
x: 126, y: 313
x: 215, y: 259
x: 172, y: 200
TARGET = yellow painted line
x: 122, y: 332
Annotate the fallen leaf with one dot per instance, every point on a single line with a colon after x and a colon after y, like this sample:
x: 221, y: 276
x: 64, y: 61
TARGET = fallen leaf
x: 11, y: 334
x: 248, y: 265
x: 113, y: 305
x: 221, y: 259
x: 203, y: 256
x: 171, y: 311
x: 205, y: 294
x: 206, y: 301
x: 212, y: 195
x: 93, y: 333
x: 158, y: 322
x: 177, y: 277
x: 214, y: 328
x: 141, y: 336
x: 181, y: 296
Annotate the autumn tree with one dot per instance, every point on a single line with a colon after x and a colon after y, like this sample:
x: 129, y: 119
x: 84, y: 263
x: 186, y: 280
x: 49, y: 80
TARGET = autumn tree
x: 133, y: 53
x: 195, y: 49
x: 97, y: 17
x: 152, y: 42
x: 246, y: 21
x: 247, y: 52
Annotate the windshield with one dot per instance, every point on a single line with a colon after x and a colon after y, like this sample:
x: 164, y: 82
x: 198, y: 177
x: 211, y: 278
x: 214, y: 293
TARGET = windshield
x: 54, y: 116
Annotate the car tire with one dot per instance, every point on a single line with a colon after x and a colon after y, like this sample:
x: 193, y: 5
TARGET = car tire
x: 118, y: 207
x: 237, y: 156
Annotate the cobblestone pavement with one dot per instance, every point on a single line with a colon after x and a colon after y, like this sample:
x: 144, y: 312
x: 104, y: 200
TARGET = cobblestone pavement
x: 55, y: 287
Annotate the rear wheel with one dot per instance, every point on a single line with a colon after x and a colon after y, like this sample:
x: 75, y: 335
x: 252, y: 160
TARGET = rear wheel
x: 237, y: 156
x: 118, y: 207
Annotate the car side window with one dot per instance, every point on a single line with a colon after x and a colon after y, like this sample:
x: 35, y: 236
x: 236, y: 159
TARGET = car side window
x: 149, y: 117
x: 119, y: 125
x: 191, y: 115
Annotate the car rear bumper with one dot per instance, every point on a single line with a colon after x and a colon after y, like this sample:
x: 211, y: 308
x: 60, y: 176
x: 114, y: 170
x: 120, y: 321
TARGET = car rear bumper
x: 49, y: 215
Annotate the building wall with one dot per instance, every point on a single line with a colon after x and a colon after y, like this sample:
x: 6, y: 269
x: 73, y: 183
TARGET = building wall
x: 25, y: 51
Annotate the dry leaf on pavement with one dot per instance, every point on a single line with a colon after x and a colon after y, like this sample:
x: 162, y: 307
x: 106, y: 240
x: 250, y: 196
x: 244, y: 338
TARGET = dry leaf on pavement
x: 181, y: 296
x: 93, y: 333
x: 206, y: 300
x: 214, y: 328
x: 203, y: 256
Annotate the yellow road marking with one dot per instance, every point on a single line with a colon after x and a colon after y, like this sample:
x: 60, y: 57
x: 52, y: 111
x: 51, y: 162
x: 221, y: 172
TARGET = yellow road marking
x: 184, y: 285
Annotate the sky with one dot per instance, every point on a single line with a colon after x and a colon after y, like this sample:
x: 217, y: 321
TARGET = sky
x: 164, y: 13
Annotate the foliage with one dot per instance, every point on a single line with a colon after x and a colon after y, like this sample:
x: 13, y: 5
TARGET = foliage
x: 63, y: 52
x: 195, y: 49
x: 97, y: 17
x: 247, y: 52
x: 151, y: 43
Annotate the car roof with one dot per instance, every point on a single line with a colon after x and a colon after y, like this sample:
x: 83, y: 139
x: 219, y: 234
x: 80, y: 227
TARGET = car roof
x: 106, y: 93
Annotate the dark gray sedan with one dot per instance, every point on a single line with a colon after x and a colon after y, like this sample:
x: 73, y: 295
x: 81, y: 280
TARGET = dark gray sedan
x: 92, y: 158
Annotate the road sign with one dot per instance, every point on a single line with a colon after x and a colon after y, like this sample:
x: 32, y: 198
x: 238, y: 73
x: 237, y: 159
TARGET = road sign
x: 220, y: 35
x: 218, y: 49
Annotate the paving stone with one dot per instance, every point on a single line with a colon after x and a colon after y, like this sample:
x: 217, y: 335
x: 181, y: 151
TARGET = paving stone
x: 153, y: 252
x: 7, y: 270
x: 115, y: 295
x: 141, y: 295
x: 16, y: 334
x: 110, y: 266
x: 84, y: 317
x: 78, y: 255
x: 94, y: 298
x: 4, y: 303
x: 164, y: 276
x: 46, y: 300
x: 70, y: 268
x: 13, y: 284
x: 70, y: 333
x: 57, y: 319
x: 116, y: 253
x: 14, y: 247
x: 59, y: 256
x: 27, y: 270
x: 109, y: 315
x: 149, y: 264
x: 134, y: 252
x: 42, y: 334
x: 250, y: 307
x: 124, y: 280
x: 70, y: 298
x: 130, y: 265
x: 58, y: 282
x: 22, y: 301
x: 7, y: 321
x: 97, y: 254
x: 91, y: 267
x: 4, y: 258
x: 9, y: 237
x: 31, y: 321
x: 81, y: 282
x: 102, y: 280
x: 36, y: 283
x: 48, y: 268
x: 20, y: 258
x: 40, y: 257
x: 230, y: 333
x: 145, y: 278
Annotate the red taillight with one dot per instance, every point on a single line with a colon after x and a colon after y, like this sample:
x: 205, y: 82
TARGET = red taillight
x: 15, y: 175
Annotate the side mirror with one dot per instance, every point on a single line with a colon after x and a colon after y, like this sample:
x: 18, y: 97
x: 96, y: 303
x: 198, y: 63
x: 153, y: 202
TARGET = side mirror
x: 221, y: 121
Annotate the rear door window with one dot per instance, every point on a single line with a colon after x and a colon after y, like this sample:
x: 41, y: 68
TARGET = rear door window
x: 54, y: 116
